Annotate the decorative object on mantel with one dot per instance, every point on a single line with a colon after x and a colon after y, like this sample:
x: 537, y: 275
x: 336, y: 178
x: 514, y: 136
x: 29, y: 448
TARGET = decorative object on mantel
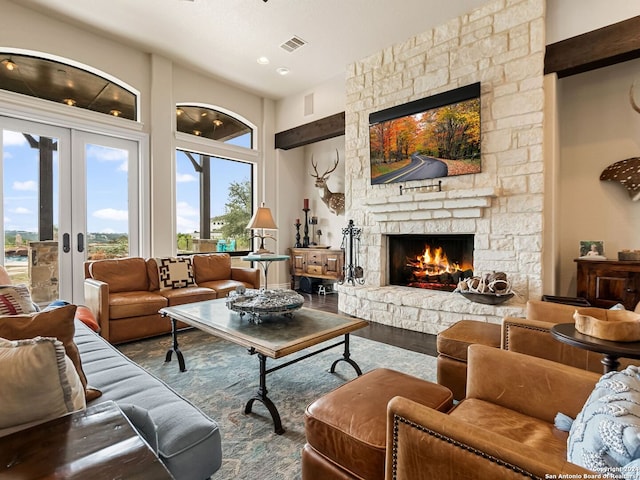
x: 432, y: 187
x: 629, y: 255
x: 313, y: 221
x: 626, y: 173
x: 353, y: 273
x: 297, y: 225
x: 490, y: 288
x: 334, y: 201
x: 592, y: 250
x: 305, y: 239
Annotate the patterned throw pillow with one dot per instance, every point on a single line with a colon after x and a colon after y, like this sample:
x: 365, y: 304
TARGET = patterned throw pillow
x: 175, y: 272
x: 605, y: 436
x: 39, y: 382
x: 15, y: 299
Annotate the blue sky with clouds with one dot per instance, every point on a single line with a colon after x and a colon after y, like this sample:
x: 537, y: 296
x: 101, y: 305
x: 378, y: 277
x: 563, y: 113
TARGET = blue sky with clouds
x: 106, y: 187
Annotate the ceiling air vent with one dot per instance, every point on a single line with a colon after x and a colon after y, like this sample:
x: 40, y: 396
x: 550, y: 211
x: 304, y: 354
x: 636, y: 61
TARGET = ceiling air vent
x: 293, y: 44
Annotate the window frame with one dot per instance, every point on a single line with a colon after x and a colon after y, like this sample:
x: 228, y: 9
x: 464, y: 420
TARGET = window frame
x: 214, y: 148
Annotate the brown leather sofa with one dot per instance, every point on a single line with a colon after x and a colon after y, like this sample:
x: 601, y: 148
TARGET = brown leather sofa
x: 503, y: 429
x: 125, y: 296
x: 530, y: 335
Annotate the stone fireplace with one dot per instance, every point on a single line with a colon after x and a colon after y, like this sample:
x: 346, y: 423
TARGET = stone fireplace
x: 432, y: 262
x: 501, y: 45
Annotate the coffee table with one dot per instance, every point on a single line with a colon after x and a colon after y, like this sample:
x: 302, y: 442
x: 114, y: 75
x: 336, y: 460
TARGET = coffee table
x: 275, y: 336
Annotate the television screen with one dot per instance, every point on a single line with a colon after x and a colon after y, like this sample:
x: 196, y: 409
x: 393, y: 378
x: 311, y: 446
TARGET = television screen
x: 437, y: 136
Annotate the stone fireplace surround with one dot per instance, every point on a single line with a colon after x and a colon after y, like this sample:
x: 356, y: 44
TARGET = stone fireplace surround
x: 501, y: 45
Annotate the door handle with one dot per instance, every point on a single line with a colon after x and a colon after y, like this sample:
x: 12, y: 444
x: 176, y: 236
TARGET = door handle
x: 66, y: 247
x: 80, y: 242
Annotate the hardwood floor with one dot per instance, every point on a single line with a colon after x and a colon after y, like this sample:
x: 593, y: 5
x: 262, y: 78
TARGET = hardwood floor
x: 399, y: 337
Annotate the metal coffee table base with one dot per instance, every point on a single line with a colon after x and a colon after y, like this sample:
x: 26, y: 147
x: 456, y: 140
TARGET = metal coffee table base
x: 261, y: 394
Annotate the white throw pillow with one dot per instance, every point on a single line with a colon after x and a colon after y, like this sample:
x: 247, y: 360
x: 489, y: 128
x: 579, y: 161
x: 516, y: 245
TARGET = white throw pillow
x: 39, y: 382
x: 175, y: 272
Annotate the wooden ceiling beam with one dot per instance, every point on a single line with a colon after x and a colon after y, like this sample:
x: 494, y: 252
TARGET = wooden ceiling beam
x: 605, y: 46
x: 323, y: 129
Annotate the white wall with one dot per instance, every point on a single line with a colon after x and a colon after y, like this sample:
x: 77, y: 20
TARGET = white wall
x: 328, y: 99
x: 324, y: 154
x: 597, y: 127
x: 568, y: 18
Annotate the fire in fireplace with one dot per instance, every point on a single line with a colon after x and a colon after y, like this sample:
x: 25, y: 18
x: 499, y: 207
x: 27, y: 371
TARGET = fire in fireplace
x: 435, y: 262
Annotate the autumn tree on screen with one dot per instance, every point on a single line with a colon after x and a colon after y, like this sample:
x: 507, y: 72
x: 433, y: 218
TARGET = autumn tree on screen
x: 454, y: 131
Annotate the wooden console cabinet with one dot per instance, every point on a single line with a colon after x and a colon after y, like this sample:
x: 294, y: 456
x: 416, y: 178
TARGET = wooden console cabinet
x: 316, y: 263
x: 607, y: 282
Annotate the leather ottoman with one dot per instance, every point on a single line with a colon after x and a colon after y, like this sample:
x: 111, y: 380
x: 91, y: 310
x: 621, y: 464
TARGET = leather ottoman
x: 452, y: 345
x: 346, y: 429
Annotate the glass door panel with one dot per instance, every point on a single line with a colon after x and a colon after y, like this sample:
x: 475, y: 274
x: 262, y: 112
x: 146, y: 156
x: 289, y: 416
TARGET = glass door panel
x: 67, y: 196
x: 105, y: 206
x: 31, y: 157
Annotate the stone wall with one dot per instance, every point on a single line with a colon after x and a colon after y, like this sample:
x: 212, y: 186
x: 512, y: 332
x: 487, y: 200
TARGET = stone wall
x: 43, y: 271
x: 500, y: 45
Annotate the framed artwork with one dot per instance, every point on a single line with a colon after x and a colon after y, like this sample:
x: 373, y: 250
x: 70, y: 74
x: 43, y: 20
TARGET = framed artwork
x: 591, y: 248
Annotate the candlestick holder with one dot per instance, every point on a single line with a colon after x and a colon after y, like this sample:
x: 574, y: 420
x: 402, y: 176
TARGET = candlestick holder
x: 297, y: 225
x: 305, y: 239
x: 313, y: 221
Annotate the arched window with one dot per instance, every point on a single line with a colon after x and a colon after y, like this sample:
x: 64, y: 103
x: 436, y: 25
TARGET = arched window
x: 207, y: 122
x: 64, y: 81
x: 214, y: 182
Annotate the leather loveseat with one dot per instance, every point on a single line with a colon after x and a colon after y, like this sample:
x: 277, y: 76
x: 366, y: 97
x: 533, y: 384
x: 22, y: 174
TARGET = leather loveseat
x: 125, y: 294
x: 530, y: 335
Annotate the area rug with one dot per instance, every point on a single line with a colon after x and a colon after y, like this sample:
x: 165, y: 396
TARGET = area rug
x: 221, y: 377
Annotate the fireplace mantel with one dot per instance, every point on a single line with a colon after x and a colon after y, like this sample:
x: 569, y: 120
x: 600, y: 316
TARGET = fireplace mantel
x: 468, y: 203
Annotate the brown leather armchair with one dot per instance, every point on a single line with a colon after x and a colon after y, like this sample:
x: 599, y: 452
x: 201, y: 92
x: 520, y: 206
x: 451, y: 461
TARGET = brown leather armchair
x: 530, y: 335
x: 503, y: 429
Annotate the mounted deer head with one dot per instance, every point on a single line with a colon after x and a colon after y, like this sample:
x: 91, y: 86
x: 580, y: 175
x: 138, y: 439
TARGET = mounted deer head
x: 334, y: 201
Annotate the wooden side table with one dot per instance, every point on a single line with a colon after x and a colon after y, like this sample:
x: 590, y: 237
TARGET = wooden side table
x: 98, y: 444
x: 612, y: 351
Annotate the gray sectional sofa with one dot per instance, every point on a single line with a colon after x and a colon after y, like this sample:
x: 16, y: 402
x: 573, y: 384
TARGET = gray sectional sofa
x: 186, y: 440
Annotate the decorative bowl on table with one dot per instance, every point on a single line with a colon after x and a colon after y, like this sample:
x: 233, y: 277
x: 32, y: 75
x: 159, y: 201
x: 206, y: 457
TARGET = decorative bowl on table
x: 487, y: 298
x: 264, y: 302
x: 612, y: 325
x: 490, y: 288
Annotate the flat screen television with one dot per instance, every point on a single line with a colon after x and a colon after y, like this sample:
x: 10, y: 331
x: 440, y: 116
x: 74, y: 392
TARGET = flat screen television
x: 434, y: 137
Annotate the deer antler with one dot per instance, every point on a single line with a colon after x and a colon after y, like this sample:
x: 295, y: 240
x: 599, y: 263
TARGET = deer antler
x: 315, y: 168
x: 324, y: 175
x: 335, y: 165
x: 632, y: 100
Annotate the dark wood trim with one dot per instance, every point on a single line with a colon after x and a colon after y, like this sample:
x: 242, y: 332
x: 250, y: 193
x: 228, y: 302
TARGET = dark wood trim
x: 323, y: 129
x: 599, y: 48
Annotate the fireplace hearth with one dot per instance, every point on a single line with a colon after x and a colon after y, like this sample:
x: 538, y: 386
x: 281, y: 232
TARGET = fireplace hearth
x: 433, y: 262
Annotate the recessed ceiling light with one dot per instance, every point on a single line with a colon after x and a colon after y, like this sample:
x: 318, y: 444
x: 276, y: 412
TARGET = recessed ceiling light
x: 115, y: 113
x: 282, y: 71
x: 9, y: 64
x: 263, y: 60
x: 70, y: 101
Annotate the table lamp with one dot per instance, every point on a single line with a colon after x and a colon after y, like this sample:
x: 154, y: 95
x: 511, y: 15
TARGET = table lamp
x: 262, y: 219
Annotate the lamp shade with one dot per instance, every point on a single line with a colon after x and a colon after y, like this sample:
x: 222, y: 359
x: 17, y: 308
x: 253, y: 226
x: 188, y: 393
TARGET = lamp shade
x: 262, y: 218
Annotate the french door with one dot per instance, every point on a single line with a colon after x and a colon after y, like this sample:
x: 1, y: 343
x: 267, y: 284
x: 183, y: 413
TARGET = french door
x: 68, y: 196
